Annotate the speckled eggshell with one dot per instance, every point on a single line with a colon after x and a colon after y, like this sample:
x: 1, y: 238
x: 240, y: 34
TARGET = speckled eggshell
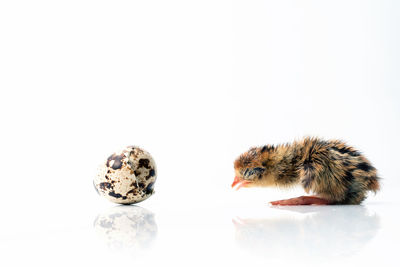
x: 127, y: 177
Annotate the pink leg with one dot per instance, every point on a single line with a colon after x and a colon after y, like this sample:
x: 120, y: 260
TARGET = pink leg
x: 303, y: 200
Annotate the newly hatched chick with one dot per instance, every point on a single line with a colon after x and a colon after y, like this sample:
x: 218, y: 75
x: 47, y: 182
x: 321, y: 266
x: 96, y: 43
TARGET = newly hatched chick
x: 335, y: 172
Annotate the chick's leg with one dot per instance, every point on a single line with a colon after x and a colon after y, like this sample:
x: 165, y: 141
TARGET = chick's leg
x: 303, y: 200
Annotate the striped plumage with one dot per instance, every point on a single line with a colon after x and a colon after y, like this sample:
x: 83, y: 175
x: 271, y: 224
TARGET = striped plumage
x: 330, y: 169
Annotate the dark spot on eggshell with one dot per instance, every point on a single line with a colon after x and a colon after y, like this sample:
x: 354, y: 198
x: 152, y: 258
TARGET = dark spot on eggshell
x: 104, y: 186
x: 152, y: 172
x: 116, y: 195
x: 149, y: 188
x: 144, y: 163
x: 117, y: 164
x: 132, y: 191
x: 137, y: 173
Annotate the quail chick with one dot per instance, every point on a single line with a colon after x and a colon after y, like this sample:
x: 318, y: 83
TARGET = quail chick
x: 335, y: 172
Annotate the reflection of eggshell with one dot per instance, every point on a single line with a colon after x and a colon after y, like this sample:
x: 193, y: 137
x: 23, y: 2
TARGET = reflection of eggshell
x: 126, y: 227
x: 127, y: 176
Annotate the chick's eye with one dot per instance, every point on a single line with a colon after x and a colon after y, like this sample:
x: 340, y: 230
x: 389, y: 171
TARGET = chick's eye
x: 258, y: 172
x: 252, y: 172
x: 245, y: 173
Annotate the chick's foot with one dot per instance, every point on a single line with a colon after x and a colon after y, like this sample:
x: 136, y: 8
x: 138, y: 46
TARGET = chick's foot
x: 303, y: 200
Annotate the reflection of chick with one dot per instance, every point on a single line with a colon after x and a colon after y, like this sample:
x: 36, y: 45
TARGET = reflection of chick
x: 323, y: 231
x: 335, y: 172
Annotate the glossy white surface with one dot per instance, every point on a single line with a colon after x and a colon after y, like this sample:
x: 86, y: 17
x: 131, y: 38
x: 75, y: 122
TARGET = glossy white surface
x: 250, y: 233
x: 195, y: 83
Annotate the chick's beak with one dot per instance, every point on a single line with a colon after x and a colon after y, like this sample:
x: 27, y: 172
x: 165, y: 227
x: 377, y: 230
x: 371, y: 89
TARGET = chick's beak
x: 235, y: 181
x: 239, y: 182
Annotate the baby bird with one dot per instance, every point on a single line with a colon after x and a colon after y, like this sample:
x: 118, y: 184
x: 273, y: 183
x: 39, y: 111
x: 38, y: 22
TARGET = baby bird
x: 335, y: 172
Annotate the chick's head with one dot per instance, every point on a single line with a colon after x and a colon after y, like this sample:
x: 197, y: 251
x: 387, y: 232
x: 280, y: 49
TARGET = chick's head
x: 251, y: 168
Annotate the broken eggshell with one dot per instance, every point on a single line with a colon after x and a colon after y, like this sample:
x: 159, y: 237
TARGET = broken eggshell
x: 127, y: 177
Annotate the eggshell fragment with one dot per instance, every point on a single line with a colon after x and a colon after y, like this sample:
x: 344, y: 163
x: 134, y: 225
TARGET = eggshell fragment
x: 127, y: 176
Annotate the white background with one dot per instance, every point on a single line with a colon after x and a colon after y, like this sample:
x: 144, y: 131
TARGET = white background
x: 195, y: 83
